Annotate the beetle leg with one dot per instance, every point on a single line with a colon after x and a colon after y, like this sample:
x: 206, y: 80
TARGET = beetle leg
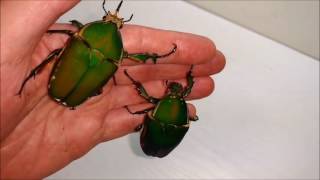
x: 77, y: 24
x: 190, y: 83
x: 37, y: 69
x: 68, y: 32
x: 128, y: 19
x: 138, y: 128
x: 195, y: 118
x: 143, y: 57
x: 142, y: 92
x: 139, y: 112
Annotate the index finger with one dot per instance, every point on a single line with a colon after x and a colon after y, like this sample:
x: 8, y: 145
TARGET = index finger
x: 191, y: 48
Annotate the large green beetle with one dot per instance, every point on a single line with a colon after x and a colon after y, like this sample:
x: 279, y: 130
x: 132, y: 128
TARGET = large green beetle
x: 89, y: 59
x: 166, y: 123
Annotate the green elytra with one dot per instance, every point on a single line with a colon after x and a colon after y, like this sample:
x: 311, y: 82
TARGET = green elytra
x: 90, y: 58
x: 166, y: 123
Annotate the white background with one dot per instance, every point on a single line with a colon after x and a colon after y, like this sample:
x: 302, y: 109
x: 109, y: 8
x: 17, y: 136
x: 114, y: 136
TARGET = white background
x: 262, y: 121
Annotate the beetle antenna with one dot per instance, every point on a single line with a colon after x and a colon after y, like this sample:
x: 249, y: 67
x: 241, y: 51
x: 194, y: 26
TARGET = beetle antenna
x: 128, y: 19
x: 118, y: 8
x: 104, y: 2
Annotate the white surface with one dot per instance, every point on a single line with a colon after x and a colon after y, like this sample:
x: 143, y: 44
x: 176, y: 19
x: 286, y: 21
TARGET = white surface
x: 291, y: 22
x: 262, y: 121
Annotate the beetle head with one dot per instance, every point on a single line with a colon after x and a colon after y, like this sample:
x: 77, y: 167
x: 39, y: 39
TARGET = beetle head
x: 175, y: 88
x: 109, y: 17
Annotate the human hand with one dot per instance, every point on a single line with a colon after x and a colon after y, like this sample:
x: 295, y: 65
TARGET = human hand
x: 39, y: 136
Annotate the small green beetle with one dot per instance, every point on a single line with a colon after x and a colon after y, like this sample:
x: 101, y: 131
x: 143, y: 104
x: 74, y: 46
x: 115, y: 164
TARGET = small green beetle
x: 167, y: 122
x: 90, y: 58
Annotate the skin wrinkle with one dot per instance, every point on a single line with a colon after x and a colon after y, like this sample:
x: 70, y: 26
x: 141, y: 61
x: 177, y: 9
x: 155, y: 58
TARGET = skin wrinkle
x: 30, y: 118
x: 43, y: 141
x: 66, y: 140
x: 111, y: 128
x: 70, y: 149
x: 53, y: 143
x: 11, y: 155
x: 22, y: 151
x: 93, y: 121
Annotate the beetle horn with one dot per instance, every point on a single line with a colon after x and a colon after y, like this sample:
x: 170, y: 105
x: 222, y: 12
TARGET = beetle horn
x: 118, y: 8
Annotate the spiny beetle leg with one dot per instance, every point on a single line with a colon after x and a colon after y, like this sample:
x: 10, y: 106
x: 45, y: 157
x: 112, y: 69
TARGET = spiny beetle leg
x: 128, y: 19
x: 143, y: 57
x: 77, y: 24
x: 139, y: 112
x: 37, y: 69
x: 142, y: 92
x: 166, y: 82
x: 138, y: 128
x: 195, y: 118
x: 190, y: 83
x: 68, y: 32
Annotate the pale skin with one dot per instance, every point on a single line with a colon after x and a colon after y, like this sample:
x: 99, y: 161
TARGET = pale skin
x: 39, y: 136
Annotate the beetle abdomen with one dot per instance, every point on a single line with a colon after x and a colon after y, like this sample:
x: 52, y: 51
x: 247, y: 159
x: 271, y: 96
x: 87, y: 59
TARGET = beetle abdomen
x: 159, y: 139
x: 165, y: 127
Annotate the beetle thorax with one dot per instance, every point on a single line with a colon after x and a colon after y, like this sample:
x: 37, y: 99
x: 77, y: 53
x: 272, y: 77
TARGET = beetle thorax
x: 175, y: 88
x: 114, y: 19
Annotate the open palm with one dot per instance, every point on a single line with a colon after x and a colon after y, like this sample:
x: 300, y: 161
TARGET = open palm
x: 39, y: 136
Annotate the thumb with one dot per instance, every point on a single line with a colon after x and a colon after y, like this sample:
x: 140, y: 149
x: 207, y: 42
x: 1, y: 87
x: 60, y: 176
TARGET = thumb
x: 24, y: 22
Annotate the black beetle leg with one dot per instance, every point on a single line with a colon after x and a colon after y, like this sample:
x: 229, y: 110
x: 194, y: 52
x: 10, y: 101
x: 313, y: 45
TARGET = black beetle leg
x: 142, y: 92
x: 77, y: 24
x: 37, y: 69
x: 143, y: 57
x: 138, y: 128
x: 68, y: 32
x: 128, y: 19
x: 195, y: 118
x: 190, y: 83
x: 166, y: 82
